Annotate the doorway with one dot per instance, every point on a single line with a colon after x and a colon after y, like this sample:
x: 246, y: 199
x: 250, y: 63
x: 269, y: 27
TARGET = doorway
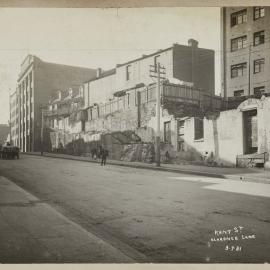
x: 250, y: 132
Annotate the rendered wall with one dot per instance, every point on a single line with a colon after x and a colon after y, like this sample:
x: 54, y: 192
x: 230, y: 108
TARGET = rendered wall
x: 100, y: 90
x: 140, y: 70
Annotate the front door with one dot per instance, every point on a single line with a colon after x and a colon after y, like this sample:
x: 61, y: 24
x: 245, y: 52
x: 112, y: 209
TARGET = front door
x: 251, y: 131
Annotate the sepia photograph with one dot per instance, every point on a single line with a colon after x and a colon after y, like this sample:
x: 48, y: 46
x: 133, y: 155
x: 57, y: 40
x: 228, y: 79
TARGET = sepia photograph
x: 134, y: 134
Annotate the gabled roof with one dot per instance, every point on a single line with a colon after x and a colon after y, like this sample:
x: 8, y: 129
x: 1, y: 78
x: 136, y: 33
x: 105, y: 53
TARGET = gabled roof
x: 113, y: 71
x: 144, y: 56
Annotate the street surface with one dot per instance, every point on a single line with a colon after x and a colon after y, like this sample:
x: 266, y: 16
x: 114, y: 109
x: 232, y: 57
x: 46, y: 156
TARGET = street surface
x: 84, y: 212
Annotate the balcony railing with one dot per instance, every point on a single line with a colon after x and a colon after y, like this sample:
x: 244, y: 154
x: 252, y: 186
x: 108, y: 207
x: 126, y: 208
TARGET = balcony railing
x: 192, y: 95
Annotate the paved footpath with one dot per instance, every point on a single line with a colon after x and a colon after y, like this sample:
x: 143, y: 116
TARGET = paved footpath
x: 33, y: 232
x: 257, y: 175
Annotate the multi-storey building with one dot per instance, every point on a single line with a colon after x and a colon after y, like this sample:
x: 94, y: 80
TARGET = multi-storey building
x: 37, y: 80
x: 14, y: 118
x: 245, y: 44
x: 189, y: 64
x: 4, y: 133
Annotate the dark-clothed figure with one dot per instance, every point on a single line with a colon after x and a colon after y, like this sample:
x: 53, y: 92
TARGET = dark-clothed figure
x: 104, y: 153
x: 94, y: 153
x: 167, y: 157
x: 99, y: 151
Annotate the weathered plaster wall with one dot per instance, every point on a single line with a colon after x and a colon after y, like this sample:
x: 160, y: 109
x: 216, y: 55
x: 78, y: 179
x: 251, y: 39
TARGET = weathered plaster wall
x: 100, y: 90
x: 223, y: 136
x: 230, y: 136
x: 117, y: 121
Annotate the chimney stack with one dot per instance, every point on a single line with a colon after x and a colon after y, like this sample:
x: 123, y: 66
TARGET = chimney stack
x: 99, y: 71
x: 193, y: 43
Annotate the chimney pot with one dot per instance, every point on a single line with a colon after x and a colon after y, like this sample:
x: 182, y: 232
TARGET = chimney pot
x: 193, y: 43
x: 99, y: 71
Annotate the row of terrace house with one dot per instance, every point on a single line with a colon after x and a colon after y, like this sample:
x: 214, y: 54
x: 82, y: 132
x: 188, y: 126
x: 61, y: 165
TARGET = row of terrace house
x: 194, y: 125
x: 129, y: 117
x: 117, y: 109
x: 63, y: 116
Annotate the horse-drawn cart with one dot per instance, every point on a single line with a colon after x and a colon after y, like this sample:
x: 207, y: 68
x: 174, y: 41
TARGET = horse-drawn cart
x: 9, y: 152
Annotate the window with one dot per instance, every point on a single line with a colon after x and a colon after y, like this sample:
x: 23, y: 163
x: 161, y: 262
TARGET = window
x: 167, y: 132
x: 238, y: 93
x: 258, y: 38
x: 198, y: 129
x: 239, y: 17
x: 128, y: 99
x: 258, y: 12
x: 181, y: 134
x: 128, y: 72
x: 258, y: 65
x: 238, y: 43
x: 156, y: 62
x: 259, y: 90
x: 238, y: 70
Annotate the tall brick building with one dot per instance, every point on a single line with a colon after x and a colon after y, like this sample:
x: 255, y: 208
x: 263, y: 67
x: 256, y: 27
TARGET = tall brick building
x: 37, y: 80
x: 245, y: 44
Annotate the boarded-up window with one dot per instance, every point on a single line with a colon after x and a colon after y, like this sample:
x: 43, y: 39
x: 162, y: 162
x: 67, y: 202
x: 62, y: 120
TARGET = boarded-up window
x: 128, y: 99
x: 181, y: 134
x: 128, y: 72
x: 198, y: 129
x: 156, y: 62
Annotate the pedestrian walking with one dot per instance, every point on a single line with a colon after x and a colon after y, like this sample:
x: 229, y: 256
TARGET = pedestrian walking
x: 104, y: 153
x: 94, y: 153
x: 99, y: 151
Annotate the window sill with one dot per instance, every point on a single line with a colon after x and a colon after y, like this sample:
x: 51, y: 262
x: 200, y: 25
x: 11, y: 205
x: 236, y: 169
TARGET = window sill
x: 237, y: 77
x: 235, y: 25
x: 199, y: 140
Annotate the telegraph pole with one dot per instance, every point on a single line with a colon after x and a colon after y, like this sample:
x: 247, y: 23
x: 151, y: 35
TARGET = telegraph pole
x: 9, y: 122
x: 42, y: 128
x: 158, y: 116
x: 158, y: 71
x: 42, y: 132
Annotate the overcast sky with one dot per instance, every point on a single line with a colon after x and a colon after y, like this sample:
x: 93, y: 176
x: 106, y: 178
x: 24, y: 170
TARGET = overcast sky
x: 97, y: 37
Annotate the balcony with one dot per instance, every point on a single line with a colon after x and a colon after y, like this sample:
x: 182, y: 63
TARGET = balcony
x: 191, y: 95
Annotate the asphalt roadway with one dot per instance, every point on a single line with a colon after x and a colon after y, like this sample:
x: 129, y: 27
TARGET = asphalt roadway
x: 145, y: 215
